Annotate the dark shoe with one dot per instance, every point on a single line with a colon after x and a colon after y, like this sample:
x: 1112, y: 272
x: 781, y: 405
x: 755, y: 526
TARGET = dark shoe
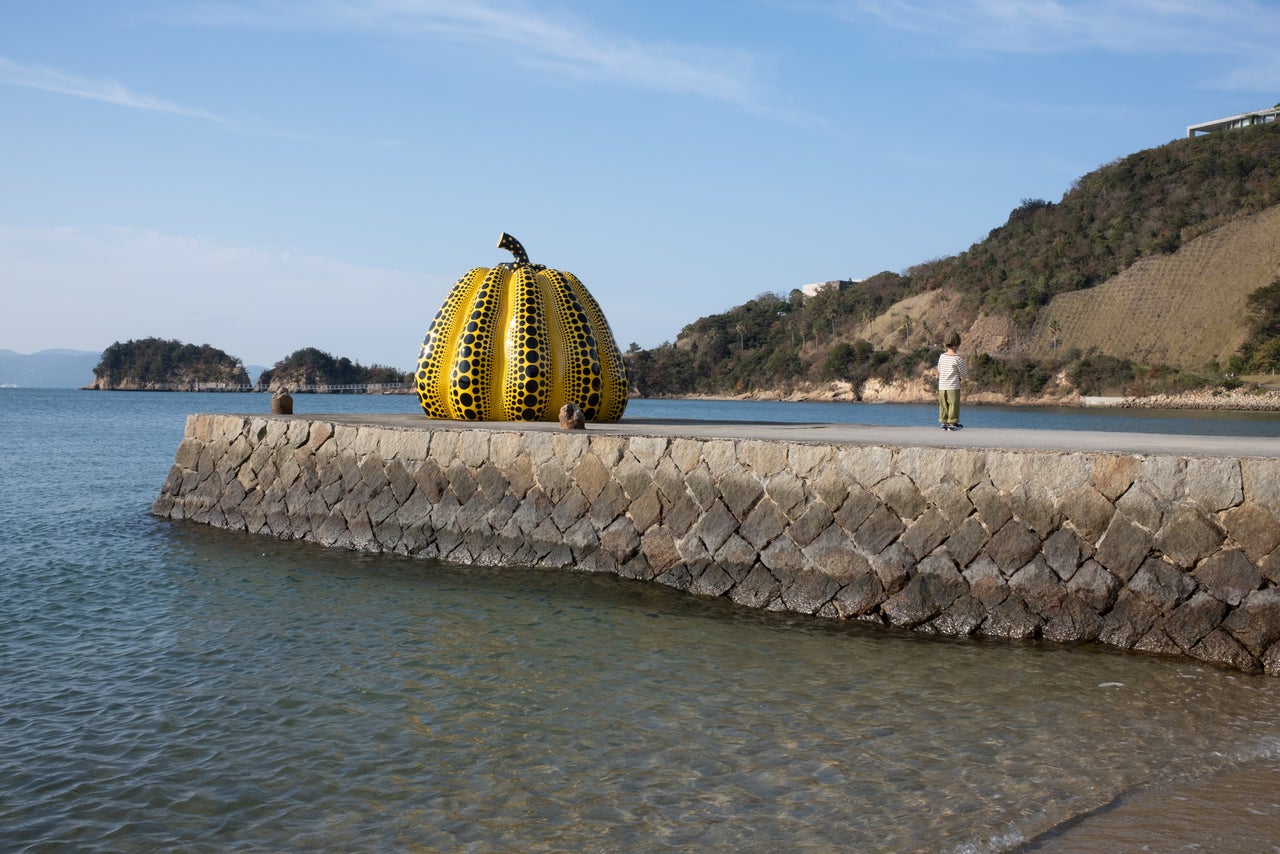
x: 956, y: 426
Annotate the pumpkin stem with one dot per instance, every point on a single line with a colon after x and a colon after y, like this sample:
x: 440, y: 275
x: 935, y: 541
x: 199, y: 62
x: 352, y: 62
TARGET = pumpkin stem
x: 509, y: 243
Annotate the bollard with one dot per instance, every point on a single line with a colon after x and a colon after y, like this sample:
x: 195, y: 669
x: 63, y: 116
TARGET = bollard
x: 572, y: 418
x: 282, y: 402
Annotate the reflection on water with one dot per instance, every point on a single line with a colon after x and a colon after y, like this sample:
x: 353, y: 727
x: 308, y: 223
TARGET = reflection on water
x: 178, y: 687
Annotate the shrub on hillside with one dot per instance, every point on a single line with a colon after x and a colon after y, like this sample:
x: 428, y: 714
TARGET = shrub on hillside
x: 1098, y: 376
x: 1019, y: 377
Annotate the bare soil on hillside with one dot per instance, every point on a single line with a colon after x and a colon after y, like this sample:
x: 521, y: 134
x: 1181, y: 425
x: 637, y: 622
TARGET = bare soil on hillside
x: 1184, y: 310
x: 923, y: 320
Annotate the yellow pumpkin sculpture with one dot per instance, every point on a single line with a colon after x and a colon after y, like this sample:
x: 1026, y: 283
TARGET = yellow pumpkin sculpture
x: 516, y: 343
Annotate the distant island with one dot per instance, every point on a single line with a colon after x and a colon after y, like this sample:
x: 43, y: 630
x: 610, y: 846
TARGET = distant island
x: 309, y: 369
x: 157, y: 364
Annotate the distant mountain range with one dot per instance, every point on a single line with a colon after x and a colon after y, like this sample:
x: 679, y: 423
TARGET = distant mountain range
x: 48, y: 368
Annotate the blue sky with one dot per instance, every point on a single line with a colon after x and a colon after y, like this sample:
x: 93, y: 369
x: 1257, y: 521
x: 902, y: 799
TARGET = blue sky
x: 264, y: 176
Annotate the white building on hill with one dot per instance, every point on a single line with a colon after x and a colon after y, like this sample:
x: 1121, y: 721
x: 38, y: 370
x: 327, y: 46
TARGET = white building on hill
x: 1258, y: 117
x: 838, y: 284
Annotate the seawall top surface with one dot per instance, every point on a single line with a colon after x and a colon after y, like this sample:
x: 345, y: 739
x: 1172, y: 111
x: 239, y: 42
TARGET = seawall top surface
x: 979, y: 438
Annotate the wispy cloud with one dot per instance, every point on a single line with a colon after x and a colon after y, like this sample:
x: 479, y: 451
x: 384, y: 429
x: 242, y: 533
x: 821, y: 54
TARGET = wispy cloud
x: 107, y: 91
x: 554, y: 42
x: 1148, y: 26
x: 1241, y: 33
x: 112, y: 92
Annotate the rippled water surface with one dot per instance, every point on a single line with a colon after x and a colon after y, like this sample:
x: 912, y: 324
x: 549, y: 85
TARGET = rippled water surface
x: 177, y: 687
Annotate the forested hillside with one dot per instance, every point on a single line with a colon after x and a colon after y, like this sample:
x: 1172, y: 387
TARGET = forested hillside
x: 1145, y: 206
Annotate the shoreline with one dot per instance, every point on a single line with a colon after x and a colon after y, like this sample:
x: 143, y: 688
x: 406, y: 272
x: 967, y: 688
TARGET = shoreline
x: 1218, y: 400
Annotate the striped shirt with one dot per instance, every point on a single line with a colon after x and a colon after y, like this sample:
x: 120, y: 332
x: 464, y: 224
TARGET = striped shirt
x: 951, y: 368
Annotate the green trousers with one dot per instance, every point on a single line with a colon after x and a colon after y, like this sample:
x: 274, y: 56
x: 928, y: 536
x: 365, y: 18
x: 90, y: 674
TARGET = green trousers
x: 949, y: 405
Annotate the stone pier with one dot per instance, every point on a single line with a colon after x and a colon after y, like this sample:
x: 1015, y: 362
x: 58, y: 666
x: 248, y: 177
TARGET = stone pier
x: 1138, y: 547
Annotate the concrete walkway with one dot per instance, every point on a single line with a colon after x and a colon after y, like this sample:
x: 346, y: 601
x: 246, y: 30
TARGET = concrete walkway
x: 854, y: 434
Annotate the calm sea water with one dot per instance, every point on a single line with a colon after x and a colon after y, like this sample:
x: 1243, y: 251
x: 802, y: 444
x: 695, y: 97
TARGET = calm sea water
x: 173, y: 687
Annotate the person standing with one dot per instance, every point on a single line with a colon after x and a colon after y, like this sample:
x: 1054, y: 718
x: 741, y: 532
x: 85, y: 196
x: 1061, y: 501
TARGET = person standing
x: 952, y: 368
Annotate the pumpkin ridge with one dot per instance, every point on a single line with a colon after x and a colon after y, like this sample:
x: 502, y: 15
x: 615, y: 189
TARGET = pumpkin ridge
x: 435, y: 356
x: 610, y: 382
x: 580, y: 358
x: 471, y: 379
x: 524, y: 392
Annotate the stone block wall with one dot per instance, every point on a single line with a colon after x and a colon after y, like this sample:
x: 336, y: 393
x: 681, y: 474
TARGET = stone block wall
x: 1164, y: 554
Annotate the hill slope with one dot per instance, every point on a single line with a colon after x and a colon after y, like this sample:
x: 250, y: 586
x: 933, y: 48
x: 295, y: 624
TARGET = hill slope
x: 1157, y: 259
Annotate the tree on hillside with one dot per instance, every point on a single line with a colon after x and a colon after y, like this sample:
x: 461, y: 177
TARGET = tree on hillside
x: 1260, y: 354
